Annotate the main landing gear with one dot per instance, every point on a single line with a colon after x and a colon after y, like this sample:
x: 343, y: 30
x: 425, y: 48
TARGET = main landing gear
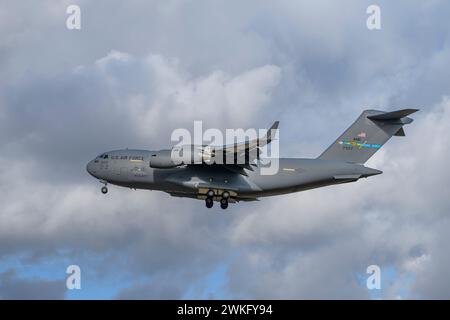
x: 209, y: 201
x: 224, y: 200
x: 224, y: 203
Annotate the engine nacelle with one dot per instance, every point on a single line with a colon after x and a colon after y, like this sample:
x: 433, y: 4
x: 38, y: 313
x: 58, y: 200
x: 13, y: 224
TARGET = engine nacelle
x: 193, y: 154
x: 163, y: 160
x: 181, y: 155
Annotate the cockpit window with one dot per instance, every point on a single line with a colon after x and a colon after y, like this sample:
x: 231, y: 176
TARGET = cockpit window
x: 103, y: 156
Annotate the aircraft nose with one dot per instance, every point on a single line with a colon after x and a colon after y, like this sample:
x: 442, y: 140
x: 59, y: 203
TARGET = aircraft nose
x: 90, y: 168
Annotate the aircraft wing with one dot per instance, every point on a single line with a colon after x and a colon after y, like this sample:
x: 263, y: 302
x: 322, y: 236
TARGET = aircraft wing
x: 241, y: 154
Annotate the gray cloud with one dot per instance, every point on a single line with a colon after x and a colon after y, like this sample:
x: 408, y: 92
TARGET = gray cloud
x: 164, y: 287
x: 13, y: 287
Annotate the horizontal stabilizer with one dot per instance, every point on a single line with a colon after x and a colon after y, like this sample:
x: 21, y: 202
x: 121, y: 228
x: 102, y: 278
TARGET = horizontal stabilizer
x: 347, y: 177
x: 395, y: 115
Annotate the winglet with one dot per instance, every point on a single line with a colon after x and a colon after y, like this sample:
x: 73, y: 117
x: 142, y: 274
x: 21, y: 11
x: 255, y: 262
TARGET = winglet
x: 269, y: 132
x: 275, y: 125
x: 395, y: 115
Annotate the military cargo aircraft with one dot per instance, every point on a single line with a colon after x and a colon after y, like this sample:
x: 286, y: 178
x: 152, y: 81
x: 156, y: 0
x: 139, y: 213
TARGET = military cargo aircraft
x: 226, y: 182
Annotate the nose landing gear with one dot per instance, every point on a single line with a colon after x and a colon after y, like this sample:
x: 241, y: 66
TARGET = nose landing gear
x: 104, y: 189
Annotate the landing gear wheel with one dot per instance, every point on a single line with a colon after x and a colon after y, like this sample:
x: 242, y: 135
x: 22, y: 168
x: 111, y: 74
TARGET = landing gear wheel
x: 104, y: 190
x: 210, y: 194
x: 223, y: 203
x: 209, y: 203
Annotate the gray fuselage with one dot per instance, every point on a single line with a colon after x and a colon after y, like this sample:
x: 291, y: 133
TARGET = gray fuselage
x: 131, y: 168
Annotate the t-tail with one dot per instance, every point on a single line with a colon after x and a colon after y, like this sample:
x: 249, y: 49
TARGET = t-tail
x: 367, y: 134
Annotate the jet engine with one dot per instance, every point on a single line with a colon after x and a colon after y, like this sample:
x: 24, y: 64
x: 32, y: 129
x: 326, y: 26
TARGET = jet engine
x: 181, y: 155
x: 163, y: 160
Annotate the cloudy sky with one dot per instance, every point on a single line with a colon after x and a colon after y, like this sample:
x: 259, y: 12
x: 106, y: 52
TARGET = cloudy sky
x: 139, y: 69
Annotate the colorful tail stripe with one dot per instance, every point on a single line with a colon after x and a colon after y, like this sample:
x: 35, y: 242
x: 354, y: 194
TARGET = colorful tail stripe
x: 360, y: 145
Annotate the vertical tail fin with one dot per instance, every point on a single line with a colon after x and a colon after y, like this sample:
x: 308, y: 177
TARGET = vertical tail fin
x: 367, y: 134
